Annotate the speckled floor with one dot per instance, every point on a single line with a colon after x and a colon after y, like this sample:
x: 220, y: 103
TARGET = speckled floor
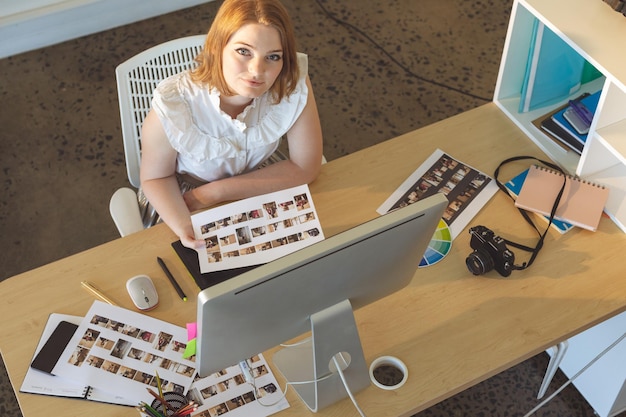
x: 402, y: 64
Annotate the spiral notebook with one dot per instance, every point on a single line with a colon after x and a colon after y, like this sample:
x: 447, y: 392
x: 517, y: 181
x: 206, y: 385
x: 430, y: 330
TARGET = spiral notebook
x: 582, y: 202
x: 40, y: 381
x: 515, y: 184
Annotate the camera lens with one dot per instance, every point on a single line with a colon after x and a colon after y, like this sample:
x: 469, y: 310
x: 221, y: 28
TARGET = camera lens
x: 479, y: 262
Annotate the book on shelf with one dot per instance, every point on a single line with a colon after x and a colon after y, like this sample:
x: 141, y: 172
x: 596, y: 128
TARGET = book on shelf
x: 556, y: 132
x: 562, y: 132
x: 514, y: 185
x: 581, y: 204
x: 590, y: 102
x: 561, y: 136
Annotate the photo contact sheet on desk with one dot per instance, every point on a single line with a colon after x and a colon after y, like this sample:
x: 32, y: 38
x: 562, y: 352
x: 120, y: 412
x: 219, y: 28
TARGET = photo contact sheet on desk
x: 118, y: 354
x: 256, y: 230
x: 119, y: 350
x: 467, y: 189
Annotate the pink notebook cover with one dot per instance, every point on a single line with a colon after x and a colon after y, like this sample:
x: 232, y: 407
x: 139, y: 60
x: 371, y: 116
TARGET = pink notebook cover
x: 582, y: 202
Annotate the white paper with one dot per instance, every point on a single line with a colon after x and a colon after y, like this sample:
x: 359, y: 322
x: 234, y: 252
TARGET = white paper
x: 256, y: 230
x: 121, y: 351
x: 227, y: 392
x: 466, y: 188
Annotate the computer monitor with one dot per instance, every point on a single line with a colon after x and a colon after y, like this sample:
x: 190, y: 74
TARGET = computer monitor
x: 315, y: 289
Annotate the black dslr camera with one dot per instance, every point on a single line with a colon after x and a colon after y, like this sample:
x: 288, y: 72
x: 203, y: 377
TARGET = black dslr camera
x: 490, y: 252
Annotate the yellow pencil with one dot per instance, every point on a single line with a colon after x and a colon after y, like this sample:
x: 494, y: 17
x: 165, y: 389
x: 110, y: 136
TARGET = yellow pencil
x: 160, y: 388
x: 96, y: 292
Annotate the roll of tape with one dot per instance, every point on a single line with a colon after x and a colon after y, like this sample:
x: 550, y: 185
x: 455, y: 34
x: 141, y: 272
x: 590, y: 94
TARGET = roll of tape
x: 388, y: 372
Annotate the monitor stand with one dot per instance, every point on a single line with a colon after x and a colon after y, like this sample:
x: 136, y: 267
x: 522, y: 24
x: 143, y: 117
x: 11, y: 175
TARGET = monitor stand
x: 333, y: 332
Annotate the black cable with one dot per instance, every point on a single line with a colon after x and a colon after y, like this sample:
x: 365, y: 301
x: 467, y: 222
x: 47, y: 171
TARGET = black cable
x: 392, y: 58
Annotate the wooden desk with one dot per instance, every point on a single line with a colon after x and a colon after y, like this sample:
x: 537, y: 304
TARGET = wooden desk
x: 451, y: 328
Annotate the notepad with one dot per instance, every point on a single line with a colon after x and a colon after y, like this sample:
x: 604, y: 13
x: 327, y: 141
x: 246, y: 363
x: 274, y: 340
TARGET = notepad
x: 582, y: 202
x: 515, y: 184
x: 38, y: 382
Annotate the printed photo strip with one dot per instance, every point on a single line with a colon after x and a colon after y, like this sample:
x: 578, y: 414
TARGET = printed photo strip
x: 257, y: 230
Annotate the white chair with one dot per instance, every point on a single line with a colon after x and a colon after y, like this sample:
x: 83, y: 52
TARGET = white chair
x: 136, y: 80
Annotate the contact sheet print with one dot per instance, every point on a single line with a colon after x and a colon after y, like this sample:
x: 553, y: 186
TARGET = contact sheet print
x: 227, y: 393
x: 124, y: 353
x: 466, y: 188
x: 121, y: 352
x: 256, y: 230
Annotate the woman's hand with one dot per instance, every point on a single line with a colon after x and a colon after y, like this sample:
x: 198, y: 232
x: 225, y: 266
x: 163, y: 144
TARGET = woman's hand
x: 190, y: 241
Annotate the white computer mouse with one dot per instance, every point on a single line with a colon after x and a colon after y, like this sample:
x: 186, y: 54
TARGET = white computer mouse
x: 143, y: 292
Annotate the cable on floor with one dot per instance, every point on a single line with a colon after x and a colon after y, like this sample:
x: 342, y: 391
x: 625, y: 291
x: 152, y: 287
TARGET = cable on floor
x: 351, y: 27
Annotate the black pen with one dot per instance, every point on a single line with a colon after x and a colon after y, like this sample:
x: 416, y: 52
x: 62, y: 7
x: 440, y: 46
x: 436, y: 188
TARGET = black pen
x: 172, y: 280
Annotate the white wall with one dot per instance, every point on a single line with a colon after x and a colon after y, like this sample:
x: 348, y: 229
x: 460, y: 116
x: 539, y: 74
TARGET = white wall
x: 31, y: 24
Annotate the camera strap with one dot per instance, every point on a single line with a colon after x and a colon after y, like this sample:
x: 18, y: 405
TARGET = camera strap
x: 534, y: 251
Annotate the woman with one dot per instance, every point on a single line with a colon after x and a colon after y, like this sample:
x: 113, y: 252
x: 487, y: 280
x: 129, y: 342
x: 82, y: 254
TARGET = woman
x: 210, y: 128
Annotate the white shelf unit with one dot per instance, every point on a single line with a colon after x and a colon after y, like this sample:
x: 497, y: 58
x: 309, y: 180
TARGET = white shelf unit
x: 597, y: 33
x: 604, y: 383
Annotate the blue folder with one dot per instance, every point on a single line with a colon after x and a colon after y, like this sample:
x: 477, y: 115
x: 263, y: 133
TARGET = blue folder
x: 553, y: 72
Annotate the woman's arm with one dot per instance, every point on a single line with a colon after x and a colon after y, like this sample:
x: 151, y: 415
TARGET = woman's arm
x: 159, y: 183
x: 302, y: 167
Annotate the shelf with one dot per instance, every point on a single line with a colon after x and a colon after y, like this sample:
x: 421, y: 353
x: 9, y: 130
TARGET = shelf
x: 566, y: 159
x: 591, y: 27
x: 614, y: 137
x: 595, y: 32
x: 613, y: 177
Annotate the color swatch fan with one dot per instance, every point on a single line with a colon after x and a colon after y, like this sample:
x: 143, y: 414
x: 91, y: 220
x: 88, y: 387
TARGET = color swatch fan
x: 439, y: 245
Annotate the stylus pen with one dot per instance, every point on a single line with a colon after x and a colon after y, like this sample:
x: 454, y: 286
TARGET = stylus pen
x: 179, y: 290
x: 96, y: 292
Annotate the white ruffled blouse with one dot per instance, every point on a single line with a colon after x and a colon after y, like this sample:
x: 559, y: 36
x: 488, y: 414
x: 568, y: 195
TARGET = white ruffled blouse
x: 210, y: 144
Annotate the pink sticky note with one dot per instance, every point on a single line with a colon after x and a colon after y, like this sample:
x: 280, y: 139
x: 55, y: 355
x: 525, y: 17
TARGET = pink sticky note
x: 192, y: 331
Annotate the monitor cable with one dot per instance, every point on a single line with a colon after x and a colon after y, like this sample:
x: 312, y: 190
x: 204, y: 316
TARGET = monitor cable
x: 562, y: 387
x: 353, y: 28
x: 345, y: 383
x: 258, y: 397
x: 252, y: 381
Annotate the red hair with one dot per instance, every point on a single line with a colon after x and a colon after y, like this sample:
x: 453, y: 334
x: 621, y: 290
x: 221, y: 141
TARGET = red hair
x: 231, y: 16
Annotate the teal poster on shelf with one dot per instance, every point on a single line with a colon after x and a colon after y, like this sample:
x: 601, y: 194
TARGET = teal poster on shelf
x: 553, y: 72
